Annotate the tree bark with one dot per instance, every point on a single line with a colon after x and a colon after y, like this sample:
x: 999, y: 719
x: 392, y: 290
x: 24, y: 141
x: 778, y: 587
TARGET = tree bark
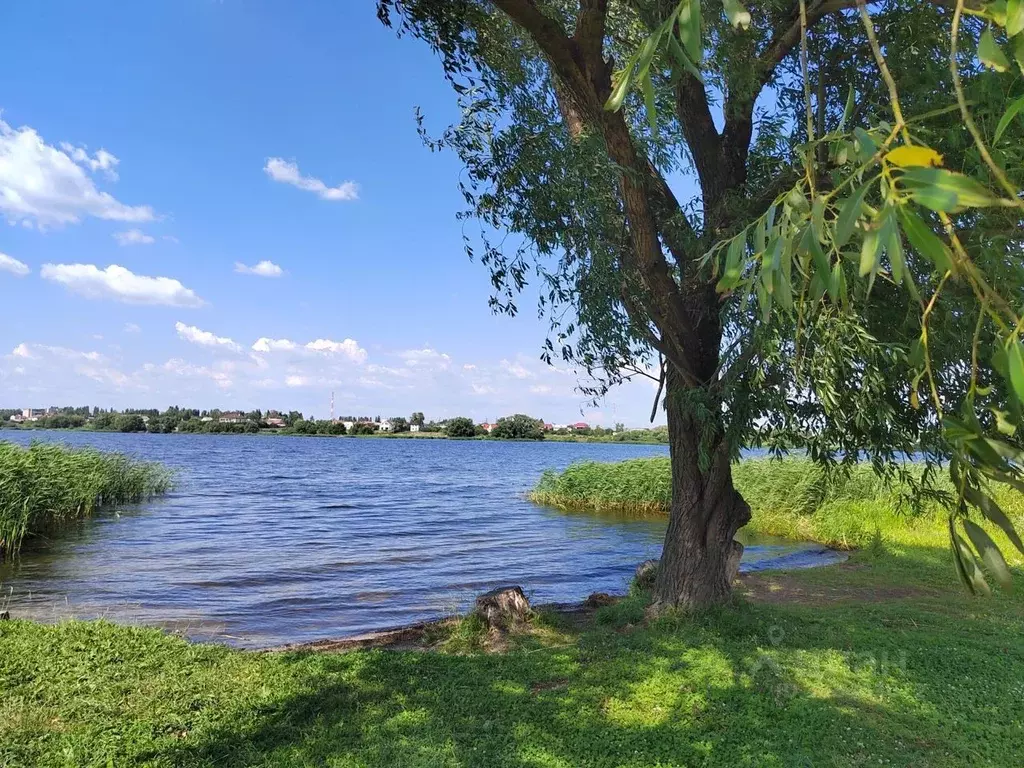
x: 706, y: 512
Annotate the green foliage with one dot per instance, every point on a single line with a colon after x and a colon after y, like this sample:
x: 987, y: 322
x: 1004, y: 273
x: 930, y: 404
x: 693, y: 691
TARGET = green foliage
x: 46, y: 485
x: 130, y: 422
x: 363, y: 428
x: 399, y: 424
x: 857, y: 239
x: 519, y: 427
x: 460, y: 426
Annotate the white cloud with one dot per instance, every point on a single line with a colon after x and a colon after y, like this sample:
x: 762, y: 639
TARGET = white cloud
x: 12, y: 265
x: 133, y: 237
x: 132, y: 328
x: 204, y: 338
x: 348, y: 348
x: 281, y: 170
x: 116, y: 282
x: 100, y: 161
x: 426, y: 357
x: 297, y: 381
x: 35, y: 351
x: 45, y: 186
x: 220, y: 375
x: 469, y: 367
x: 540, y: 389
x: 516, y: 369
x: 274, y: 345
x: 263, y: 269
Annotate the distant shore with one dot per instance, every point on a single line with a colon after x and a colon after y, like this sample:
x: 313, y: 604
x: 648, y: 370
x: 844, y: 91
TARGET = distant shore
x: 378, y: 435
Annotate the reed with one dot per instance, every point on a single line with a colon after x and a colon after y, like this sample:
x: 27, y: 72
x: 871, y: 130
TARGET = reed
x: 46, y: 485
x: 791, y: 497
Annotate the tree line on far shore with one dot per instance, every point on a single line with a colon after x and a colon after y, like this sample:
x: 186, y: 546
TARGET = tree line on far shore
x: 177, y: 419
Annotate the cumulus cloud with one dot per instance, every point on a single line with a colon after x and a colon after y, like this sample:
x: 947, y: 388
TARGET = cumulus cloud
x: 100, y: 161
x: 12, y: 265
x: 285, y: 172
x: 348, y: 348
x: 46, y: 186
x: 132, y: 328
x: 133, y: 237
x: 426, y: 357
x: 204, y: 338
x: 262, y: 269
x: 219, y: 375
x: 120, y: 284
x: 518, y: 370
x: 273, y: 345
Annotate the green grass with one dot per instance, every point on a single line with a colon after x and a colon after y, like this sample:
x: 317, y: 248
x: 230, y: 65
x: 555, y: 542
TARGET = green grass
x: 931, y: 679
x: 789, y: 497
x: 46, y: 485
x: 884, y: 661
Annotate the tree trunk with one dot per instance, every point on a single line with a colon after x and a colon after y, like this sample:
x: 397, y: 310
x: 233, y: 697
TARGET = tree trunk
x: 706, y: 511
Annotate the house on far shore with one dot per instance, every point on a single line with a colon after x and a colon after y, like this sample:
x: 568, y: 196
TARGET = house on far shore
x: 275, y: 421
x: 385, y: 426
x: 17, y: 418
x: 548, y: 427
x: 579, y: 425
x: 34, y: 414
x: 560, y: 427
x: 414, y: 427
x: 488, y: 428
x: 207, y: 418
x: 232, y: 417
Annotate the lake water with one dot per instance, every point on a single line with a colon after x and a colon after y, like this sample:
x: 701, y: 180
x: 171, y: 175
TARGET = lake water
x: 271, y: 540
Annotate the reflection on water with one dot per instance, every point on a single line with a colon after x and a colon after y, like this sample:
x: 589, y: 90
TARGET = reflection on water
x: 269, y: 540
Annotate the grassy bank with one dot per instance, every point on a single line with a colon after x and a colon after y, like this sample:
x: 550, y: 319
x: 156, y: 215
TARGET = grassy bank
x: 882, y: 662
x: 791, y: 497
x: 46, y: 485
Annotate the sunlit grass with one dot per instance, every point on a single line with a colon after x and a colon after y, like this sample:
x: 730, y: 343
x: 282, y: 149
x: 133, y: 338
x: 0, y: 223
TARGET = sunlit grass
x: 45, y: 485
x: 790, y: 497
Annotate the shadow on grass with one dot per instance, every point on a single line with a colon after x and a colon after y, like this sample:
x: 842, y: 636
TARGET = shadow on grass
x: 868, y: 683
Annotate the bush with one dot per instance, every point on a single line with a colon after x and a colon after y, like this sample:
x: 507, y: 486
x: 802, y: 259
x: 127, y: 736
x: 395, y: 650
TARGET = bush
x: 519, y: 427
x: 460, y: 426
x: 129, y: 422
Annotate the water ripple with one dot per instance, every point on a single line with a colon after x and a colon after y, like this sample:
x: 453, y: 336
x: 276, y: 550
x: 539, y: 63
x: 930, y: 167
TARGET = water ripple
x: 270, y: 540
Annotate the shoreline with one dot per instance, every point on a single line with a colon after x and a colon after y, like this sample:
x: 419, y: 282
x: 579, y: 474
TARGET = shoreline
x: 384, y: 436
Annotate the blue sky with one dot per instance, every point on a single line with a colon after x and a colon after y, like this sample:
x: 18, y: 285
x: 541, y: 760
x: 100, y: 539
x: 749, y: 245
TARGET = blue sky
x: 226, y: 204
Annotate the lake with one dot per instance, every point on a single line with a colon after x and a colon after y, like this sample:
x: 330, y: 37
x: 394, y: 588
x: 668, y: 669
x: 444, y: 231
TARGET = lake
x: 268, y: 540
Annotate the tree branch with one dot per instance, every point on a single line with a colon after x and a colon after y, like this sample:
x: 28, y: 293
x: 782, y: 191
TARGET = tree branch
x: 590, y: 26
x: 693, y: 111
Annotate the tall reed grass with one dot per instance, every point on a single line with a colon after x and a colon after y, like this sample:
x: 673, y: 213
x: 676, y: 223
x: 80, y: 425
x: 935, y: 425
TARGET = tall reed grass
x: 46, y: 485
x: 791, y: 497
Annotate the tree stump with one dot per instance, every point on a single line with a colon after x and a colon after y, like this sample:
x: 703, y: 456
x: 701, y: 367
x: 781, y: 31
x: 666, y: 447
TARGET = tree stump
x: 645, y: 574
x: 600, y: 600
x: 503, y: 608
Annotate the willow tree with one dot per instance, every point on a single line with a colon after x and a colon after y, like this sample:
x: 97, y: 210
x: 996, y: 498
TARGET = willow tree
x: 812, y: 292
